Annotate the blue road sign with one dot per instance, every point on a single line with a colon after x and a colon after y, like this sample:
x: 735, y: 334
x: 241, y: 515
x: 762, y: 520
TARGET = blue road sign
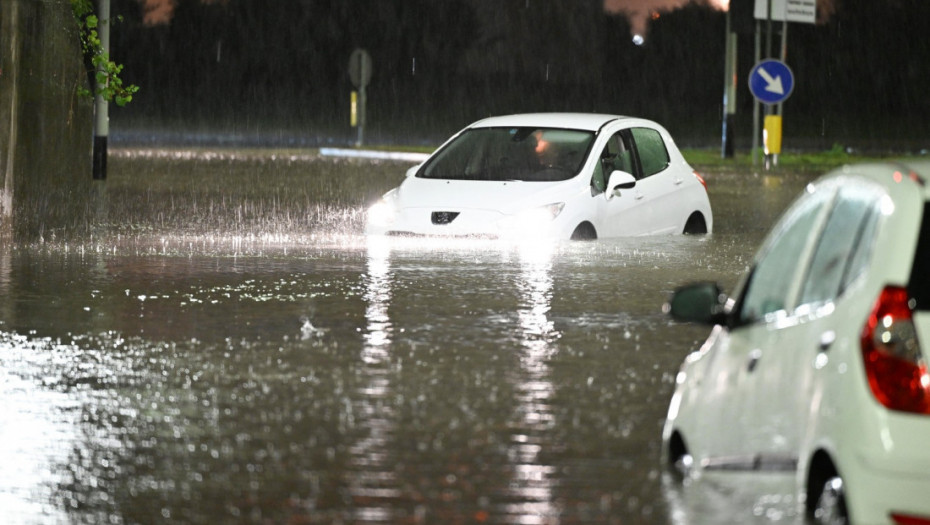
x: 771, y: 81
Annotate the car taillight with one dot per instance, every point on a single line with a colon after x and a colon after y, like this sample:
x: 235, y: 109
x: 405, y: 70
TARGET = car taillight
x: 894, y: 364
x: 906, y: 519
x: 700, y: 179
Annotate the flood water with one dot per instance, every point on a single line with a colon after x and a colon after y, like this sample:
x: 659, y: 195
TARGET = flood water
x: 227, y: 347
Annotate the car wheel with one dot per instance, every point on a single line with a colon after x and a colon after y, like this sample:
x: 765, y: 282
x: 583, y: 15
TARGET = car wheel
x: 831, y: 505
x: 584, y: 232
x: 695, y: 225
x: 679, y: 459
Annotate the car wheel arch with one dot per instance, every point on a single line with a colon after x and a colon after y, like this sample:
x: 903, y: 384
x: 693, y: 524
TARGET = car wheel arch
x: 696, y: 224
x: 678, y: 456
x: 585, y: 231
x: 820, y: 471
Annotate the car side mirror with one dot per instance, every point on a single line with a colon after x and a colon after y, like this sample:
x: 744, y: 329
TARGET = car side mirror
x: 619, y: 180
x: 698, y: 303
x: 413, y: 170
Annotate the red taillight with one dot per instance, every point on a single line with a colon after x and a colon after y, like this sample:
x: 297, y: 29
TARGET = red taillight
x: 905, y: 519
x: 894, y: 364
x: 700, y: 179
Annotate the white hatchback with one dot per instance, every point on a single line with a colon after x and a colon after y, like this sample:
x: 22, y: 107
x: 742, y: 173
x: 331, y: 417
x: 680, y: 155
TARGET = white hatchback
x: 553, y: 175
x: 817, y: 363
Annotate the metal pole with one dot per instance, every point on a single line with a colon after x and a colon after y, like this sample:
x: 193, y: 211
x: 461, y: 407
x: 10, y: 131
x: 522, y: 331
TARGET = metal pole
x: 768, y: 30
x: 101, y: 107
x: 768, y: 54
x: 362, y: 101
x: 756, y: 131
x: 780, y: 109
x: 729, y: 91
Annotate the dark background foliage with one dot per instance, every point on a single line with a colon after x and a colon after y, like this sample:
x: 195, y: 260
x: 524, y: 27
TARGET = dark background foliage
x: 278, y: 70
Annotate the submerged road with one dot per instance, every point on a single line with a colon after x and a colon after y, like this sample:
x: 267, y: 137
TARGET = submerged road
x: 228, y: 347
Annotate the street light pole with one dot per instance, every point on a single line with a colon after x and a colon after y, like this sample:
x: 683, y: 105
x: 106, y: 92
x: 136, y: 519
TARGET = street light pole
x: 755, y: 105
x: 101, y: 106
x: 729, y: 90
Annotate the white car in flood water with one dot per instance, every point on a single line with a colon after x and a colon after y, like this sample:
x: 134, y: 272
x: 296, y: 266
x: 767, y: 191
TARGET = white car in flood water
x: 550, y: 175
x: 818, y: 365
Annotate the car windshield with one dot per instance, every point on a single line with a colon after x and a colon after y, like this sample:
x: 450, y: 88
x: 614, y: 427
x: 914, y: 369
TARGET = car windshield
x: 520, y: 153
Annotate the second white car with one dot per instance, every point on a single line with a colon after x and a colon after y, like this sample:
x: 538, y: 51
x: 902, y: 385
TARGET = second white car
x: 549, y: 175
x: 818, y: 364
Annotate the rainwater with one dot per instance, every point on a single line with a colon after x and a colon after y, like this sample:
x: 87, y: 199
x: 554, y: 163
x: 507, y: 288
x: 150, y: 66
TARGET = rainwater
x: 228, y: 347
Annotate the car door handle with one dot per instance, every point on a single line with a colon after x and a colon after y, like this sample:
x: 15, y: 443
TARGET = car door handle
x: 638, y: 195
x: 826, y: 340
x: 754, y: 357
x: 678, y: 181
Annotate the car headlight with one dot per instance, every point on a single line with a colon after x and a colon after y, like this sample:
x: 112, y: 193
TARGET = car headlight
x: 381, y: 213
x: 532, y: 219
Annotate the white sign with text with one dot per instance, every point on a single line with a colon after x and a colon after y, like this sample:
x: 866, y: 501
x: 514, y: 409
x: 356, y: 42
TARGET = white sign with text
x: 804, y: 11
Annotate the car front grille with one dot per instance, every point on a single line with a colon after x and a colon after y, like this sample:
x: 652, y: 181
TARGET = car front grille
x: 443, y: 217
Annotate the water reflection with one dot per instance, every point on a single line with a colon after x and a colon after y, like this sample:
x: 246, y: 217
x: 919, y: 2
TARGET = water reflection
x: 37, y: 433
x: 377, y: 297
x: 378, y: 481
x: 371, y: 479
x: 754, y: 497
x: 532, y: 483
x: 5, y: 268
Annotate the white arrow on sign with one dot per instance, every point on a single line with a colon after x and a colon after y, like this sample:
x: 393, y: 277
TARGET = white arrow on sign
x: 773, y: 85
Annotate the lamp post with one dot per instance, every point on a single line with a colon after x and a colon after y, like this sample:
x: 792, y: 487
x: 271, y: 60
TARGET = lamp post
x: 729, y: 90
x: 101, y: 106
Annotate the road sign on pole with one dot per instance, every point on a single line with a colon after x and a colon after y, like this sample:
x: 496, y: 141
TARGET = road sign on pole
x: 360, y: 74
x: 360, y: 68
x: 804, y: 11
x: 771, y: 81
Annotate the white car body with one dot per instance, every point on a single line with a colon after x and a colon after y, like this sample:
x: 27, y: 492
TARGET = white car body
x: 783, y: 383
x: 504, y: 204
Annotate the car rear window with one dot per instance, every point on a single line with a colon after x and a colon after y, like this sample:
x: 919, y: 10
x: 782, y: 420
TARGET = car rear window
x: 919, y: 284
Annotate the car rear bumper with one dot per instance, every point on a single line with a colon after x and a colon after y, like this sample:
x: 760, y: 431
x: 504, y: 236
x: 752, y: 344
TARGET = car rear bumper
x: 875, y: 496
x: 894, y: 478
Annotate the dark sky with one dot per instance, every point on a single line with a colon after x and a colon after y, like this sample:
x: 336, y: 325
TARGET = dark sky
x: 254, y: 65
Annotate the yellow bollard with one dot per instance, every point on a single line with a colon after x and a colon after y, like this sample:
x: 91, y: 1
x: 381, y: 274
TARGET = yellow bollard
x: 771, y: 134
x: 353, y: 118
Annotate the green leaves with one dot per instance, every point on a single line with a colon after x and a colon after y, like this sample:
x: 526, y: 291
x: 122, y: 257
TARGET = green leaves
x: 108, y: 83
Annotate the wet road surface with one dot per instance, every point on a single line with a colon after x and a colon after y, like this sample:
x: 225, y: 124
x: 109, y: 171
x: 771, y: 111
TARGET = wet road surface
x: 197, y: 361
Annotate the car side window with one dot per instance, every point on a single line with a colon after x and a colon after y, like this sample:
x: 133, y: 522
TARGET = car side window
x: 844, y: 246
x: 769, y: 287
x: 616, y: 155
x: 653, y: 155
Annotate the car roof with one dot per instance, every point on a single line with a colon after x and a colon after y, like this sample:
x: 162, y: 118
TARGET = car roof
x: 920, y: 168
x: 585, y: 121
x: 893, y: 172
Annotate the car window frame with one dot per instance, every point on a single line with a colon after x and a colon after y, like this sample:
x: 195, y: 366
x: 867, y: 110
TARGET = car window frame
x: 642, y: 165
x: 867, y: 226
x: 827, y: 199
x: 623, y: 135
